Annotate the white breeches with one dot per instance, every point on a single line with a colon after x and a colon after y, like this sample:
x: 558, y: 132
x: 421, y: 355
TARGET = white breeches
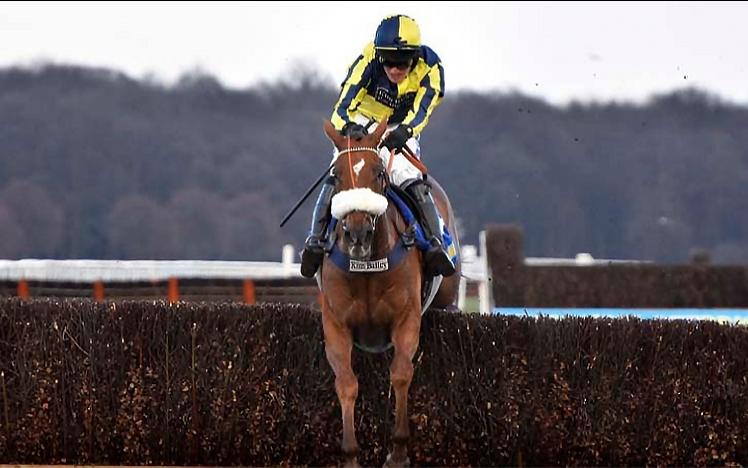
x: 400, y: 169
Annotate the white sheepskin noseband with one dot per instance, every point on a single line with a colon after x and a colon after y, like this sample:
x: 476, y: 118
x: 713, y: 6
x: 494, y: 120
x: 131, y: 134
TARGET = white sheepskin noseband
x: 359, y: 199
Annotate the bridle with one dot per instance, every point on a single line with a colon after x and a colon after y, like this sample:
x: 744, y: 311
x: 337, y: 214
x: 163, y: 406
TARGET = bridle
x: 372, y: 218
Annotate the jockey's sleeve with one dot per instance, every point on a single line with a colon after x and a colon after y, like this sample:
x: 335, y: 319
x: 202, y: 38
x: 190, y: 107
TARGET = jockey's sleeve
x: 353, y: 87
x: 428, y: 97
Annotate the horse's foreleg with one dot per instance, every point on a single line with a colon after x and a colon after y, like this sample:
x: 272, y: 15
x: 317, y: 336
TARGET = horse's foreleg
x: 405, y: 342
x: 338, y: 347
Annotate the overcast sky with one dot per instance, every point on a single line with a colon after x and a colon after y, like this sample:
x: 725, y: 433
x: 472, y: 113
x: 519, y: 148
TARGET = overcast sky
x: 558, y: 51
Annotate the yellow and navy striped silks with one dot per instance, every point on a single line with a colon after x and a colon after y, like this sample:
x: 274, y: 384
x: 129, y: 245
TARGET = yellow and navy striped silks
x: 397, y: 32
x: 367, y: 91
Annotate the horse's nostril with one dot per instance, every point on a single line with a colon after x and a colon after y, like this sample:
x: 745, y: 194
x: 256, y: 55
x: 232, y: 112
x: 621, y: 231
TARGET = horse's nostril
x: 353, y: 237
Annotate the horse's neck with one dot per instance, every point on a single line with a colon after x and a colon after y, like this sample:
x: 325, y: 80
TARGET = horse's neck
x: 389, y: 232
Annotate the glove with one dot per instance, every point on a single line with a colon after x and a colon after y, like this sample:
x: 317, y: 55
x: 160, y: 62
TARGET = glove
x: 396, y: 139
x: 354, y: 130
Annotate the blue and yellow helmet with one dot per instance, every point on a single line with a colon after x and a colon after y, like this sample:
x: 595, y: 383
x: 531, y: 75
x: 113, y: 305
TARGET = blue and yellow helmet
x: 398, y: 38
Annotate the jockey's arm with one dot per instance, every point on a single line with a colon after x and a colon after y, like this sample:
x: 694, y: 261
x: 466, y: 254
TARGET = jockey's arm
x: 353, y: 87
x: 427, y: 99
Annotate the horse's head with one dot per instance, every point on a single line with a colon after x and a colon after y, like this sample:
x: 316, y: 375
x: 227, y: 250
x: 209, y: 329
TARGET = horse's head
x: 361, y: 179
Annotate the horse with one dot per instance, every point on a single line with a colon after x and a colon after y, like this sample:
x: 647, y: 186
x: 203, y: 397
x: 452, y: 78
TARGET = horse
x: 374, y: 310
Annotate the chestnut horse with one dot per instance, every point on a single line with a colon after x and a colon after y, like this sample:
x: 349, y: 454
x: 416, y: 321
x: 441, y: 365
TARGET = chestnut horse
x: 381, y: 309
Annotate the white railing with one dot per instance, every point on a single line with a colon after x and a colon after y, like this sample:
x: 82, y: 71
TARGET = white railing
x: 474, y: 269
x: 88, y: 271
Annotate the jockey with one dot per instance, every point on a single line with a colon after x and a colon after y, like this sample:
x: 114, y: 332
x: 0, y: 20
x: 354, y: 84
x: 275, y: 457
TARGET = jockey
x: 399, y: 80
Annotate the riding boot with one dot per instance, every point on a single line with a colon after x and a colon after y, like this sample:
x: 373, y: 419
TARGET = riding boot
x: 314, y: 246
x: 436, y: 258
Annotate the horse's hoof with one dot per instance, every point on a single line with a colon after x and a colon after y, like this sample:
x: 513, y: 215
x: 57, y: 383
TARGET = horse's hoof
x: 352, y: 463
x: 389, y: 463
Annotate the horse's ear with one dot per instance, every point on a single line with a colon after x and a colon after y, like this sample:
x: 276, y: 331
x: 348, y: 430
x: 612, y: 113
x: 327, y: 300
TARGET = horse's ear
x: 334, y: 136
x: 379, y: 131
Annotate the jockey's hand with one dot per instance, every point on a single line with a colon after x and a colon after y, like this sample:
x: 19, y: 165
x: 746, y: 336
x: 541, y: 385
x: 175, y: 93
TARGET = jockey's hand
x: 397, y: 138
x: 354, y: 130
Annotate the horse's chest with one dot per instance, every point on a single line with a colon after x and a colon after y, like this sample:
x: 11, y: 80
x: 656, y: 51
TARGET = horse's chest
x: 370, y: 325
x: 372, y: 302
x: 377, y: 312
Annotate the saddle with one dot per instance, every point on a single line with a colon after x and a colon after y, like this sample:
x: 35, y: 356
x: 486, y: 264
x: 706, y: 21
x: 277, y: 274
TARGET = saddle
x: 408, y: 208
